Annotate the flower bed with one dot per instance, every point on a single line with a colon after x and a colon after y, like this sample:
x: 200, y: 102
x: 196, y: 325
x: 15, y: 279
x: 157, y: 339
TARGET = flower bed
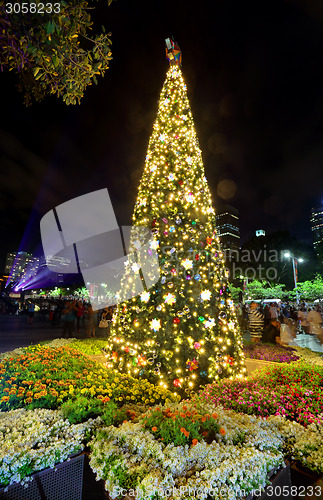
x: 32, y: 440
x: 49, y: 376
x: 266, y: 352
x: 292, y: 391
x: 187, y: 446
x: 180, y: 447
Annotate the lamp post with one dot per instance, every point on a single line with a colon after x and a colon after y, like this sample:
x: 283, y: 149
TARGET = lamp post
x: 295, y: 261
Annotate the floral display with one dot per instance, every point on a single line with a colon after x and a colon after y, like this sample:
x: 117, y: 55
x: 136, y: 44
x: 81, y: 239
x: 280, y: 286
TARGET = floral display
x: 32, y: 440
x: 275, y: 353
x: 292, y: 391
x: 132, y: 457
x: 48, y: 377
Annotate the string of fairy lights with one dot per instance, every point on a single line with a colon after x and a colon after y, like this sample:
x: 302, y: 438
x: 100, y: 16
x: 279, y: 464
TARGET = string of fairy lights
x: 182, y: 332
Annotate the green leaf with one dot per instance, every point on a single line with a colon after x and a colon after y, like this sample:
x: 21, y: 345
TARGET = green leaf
x: 36, y: 70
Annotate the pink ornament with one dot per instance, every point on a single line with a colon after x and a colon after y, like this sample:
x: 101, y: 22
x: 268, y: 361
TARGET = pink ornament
x: 197, y: 345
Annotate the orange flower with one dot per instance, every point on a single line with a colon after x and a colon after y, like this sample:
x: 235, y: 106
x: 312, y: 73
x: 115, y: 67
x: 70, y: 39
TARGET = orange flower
x: 207, y: 416
x: 188, y: 414
x: 183, y: 415
x: 154, y: 429
x: 214, y: 415
x: 28, y: 400
x: 184, y: 408
x: 186, y: 434
x: 203, y: 419
x: 194, y: 442
x: 5, y: 399
x: 222, y: 431
x: 183, y: 430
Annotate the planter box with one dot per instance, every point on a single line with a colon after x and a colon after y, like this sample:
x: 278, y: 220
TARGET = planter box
x: 64, y: 482
x: 276, y: 489
x: 304, y: 478
x: 255, y: 364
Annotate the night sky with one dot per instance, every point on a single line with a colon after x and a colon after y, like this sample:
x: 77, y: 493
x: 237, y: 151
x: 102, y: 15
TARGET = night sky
x: 254, y: 72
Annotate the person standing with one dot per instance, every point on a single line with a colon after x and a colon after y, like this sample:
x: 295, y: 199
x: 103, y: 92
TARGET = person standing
x: 31, y: 313
x: 68, y: 319
x: 256, y: 322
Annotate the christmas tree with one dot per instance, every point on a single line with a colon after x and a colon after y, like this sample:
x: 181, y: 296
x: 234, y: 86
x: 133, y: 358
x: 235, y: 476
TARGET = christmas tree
x: 182, y: 332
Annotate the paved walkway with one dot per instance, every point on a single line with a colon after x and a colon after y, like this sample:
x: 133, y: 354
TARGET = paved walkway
x: 15, y: 332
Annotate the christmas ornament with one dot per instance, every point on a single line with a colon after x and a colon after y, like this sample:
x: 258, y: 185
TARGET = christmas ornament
x: 189, y: 198
x: 203, y: 374
x: 197, y: 257
x: 177, y: 382
x: 114, y: 356
x: 197, y: 345
x: 172, y: 229
x: 166, y: 233
x: 170, y: 284
x: 154, y: 244
x: 150, y: 361
x: 163, y: 280
x: 153, y: 224
x: 126, y: 349
x: 208, y: 240
x: 187, y: 264
x: 145, y: 296
x: 209, y: 323
x: 155, y: 324
x: 158, y: 308
x: 206, y: 295
x: 192, y: 365
x: 197, y: 277
x: 178, y: 220
x: 176, y: 320
x: 157, y: 371
x: 169, y: 299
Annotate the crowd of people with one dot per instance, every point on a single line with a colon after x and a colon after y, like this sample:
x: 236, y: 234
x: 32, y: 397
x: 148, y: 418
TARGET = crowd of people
x: 76, y: 317
x: 279, y: 323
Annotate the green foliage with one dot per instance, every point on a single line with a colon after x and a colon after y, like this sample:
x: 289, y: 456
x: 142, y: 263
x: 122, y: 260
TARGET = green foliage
x: 181, y: 426
x: 264, y: 290
x: 81, y: 409
x: 52, y: 52
x: 310, y: 290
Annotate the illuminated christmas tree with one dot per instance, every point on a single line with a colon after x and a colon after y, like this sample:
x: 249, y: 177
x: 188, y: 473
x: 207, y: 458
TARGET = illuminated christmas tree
x: 182, y: 332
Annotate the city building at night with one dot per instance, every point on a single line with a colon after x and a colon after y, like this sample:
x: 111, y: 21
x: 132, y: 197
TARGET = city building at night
x: 317, y: 227
x: 21, y: 264
x: 227, y: 222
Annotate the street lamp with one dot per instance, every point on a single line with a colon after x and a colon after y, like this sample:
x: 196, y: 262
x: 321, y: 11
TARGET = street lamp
x: 295, y: 261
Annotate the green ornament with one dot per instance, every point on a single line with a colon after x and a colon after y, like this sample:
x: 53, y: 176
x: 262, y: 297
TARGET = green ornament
x: 193, y: 222
x: 134, y: 361
x: 201, y: 318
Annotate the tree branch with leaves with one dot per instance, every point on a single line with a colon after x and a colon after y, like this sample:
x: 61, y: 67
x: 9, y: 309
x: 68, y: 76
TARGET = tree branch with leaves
x: 53, y: 53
